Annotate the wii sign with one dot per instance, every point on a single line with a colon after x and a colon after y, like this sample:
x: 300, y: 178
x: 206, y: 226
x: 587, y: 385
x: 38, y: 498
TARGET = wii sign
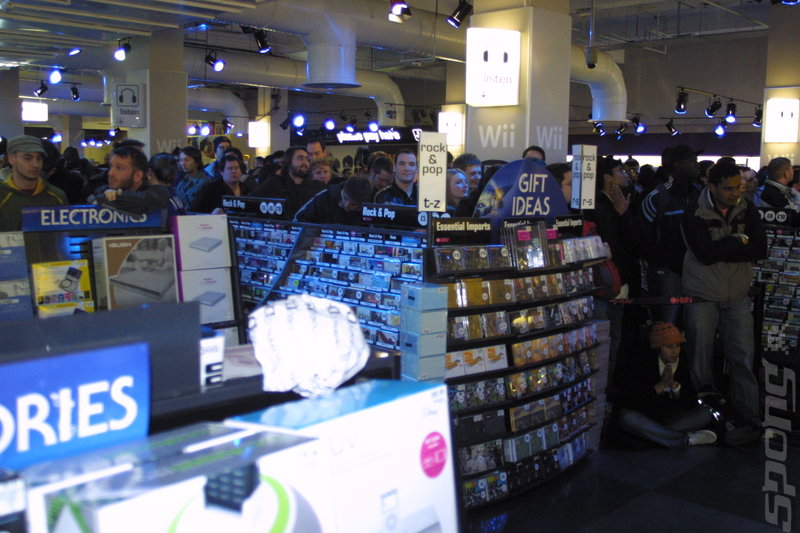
x: 493, y: 57
x: 63, y: 404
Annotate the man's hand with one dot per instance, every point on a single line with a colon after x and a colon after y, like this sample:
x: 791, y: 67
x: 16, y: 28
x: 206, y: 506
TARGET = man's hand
x: 666, y: 380
x: 619, y: 200
x: 112, y: 194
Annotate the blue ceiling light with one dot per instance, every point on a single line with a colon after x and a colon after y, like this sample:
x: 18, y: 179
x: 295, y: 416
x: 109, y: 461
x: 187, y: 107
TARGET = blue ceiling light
x: 373, y: 126
x: 721, y: 129
x: 713, y: 107
x: 462, y: 11
x: 638, y: 125
x: 730, y: 113
x: 74, y: 93
x: 74, y: 52
x: 758, y: 117
x: 122, y: 51
x: 205, y: 129
x: 329, y: 124
x: 673, y: 131
x: 55, y: 76
x: 217, y: 65
x: 681, y: 102
x: 299, y: 120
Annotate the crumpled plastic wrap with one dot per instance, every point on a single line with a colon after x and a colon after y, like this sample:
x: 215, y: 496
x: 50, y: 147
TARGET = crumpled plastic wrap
x: 307, y: 344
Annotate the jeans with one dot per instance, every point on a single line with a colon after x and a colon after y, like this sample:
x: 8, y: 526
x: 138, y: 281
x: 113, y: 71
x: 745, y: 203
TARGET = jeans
x: 664, y: 282
x: 735, y: 324
x: 673, y: 433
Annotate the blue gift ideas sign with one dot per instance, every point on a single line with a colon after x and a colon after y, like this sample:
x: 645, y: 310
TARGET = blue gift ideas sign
x: 81, y: 400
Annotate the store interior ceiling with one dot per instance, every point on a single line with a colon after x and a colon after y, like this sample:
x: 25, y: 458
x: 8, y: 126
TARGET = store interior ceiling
x: 35, y: 33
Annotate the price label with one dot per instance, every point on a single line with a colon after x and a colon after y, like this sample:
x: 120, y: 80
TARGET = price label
x: 432, y: 167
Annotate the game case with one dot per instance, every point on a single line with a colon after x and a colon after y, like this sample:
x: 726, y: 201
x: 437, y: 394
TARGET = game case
x: 476, y: 258
x: 448, y: 260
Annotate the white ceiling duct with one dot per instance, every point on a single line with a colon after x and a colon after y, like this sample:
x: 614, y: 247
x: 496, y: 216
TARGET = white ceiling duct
x: 221, y: 100
x: 609, y: 95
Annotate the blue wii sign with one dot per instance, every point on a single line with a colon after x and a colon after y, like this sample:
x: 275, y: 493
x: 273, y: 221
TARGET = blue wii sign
x: 60, y: 405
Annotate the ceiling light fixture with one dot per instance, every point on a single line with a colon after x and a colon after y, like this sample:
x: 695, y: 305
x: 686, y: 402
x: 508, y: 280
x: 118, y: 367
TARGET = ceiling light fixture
x: 193, y: 129
x: 599, y: 129
x: 74, y: 93
x: 205, y: 129
x: 399, y: 11
x: 758, y: 117
x: 462, y: 11
x: 620, y: 130
x: 730, y: 113
x: 217, y: 65
x: 373, y: 126
x: 122, y: 51
x: 57, y: 137
x: 720, y: 129
x: 41, y: 89
x: 299, y: 120
x: 672, y: 129
x: 285, y: 124
x: 329, y: 124
x: 262, y: 43
x: 713, y: 107
x: 351, y: 125
x: 639, y: 126
x: 74, y: 52
x: 227, y: 125
x: 681, y: 101
x: 55, y: 76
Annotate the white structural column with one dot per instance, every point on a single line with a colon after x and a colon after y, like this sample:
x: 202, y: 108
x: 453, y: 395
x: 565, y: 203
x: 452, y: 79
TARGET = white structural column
x: 541, y: 116
x: 10, y: 103
x: 155, y: 66
x: 782, y: 86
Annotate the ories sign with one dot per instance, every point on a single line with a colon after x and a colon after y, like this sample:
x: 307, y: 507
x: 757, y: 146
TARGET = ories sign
x: 492, y: 67
x: 63, y: 404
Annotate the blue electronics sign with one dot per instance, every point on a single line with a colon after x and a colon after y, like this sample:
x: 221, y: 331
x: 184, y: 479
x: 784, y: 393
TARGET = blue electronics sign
x: 60, y: 405
x: 70, y: 217
x: 522, y: 189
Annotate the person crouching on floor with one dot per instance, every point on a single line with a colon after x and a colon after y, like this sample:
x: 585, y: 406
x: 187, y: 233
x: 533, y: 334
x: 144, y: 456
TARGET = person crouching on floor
x: 659, y: 404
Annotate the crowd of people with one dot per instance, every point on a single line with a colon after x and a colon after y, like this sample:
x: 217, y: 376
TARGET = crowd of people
x: 688, y: 228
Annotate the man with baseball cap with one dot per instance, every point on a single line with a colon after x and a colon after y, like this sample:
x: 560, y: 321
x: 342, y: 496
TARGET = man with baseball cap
x: 25, y: 187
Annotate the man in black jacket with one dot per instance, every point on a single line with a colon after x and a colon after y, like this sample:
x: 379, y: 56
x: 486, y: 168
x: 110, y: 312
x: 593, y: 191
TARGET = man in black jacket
x: 292, y: 184
x: 340, y: 203
x: 128, y: 189
x: 776, y: 191
x: 403, y: 190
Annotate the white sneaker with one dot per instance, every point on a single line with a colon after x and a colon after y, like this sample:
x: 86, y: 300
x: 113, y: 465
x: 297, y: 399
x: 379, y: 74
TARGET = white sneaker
x: 703, y: 436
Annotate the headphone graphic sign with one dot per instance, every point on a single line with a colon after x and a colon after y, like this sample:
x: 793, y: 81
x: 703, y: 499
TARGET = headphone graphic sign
x: 128, y: 106
x: 127, y: 95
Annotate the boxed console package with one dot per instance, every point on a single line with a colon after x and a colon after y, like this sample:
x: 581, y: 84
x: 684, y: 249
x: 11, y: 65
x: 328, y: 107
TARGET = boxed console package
x: 15, y: 299
x: 61, y: 287
x: 390, y: 453
x: 423, y: 296
x: 134, y: 270
x: 212, y: 357
x: 424, y: 322
x: 423, y: 368
x: 13, y: 262
x: 203, y: 477
x: 202, y: 241
x: 212, y: 288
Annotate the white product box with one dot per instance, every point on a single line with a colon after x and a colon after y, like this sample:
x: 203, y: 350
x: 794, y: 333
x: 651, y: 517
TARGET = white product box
x: 422, y: 368
x: 211, y: 287
x: 496, y: 357
x: 202, y: 241
x: 453, y: 365
x: 423, y: 345
x: 474, y: 361
x: 390, y: 453
x: 423, y: 296
x: 204, y: 477
x: 13, y: 261
x: 16, y: 301
x: 212, y: 355
x: 424, y: 322
x: 136, y: 270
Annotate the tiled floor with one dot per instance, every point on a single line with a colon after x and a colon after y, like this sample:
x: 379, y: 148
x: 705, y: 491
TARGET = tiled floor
x: 707, y: 488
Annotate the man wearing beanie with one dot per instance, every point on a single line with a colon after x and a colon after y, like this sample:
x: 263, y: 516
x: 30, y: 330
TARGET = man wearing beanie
x: 25, y: 187
x: 659, y: 403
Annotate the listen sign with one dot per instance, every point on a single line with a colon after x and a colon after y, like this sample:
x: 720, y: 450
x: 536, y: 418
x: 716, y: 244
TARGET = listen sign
x: 492, y: 67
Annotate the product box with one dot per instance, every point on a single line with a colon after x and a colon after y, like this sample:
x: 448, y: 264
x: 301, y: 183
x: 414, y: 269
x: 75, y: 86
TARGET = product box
x: 134, y: 270
x: 212, y: 288
x: 204, y: 477
x: 424, y: 322
x: 496, y: 357
x: 13, y: 262
x: 15, y: 299
x: 61, y: 287
x: 453, y: 365
x: 423, y: 296
x: 423, y: 345
x: 422, y: 368
x: 201, y: 241
x: 391, y: 453
x: 212, y: 357
x: 474, y: 361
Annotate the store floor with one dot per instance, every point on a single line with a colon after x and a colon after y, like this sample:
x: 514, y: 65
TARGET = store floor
x: 706, y: 488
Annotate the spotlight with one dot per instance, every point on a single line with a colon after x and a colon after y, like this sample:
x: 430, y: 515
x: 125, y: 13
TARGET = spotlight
x: 720, y: 129
x: 351, y: 125
x: 620, y: 130
x: 56, y: 138
x: 240, y: 133
x: 672, y: 129
x: 712, y: 109
x: 399, y: 11
x: 74, y: 52
x: 790, y: 2
x: 298, y: 121
x: 262, y: 44
x: 205, y: 129
x: 758, y: 117
x: 730, y: 113
x: 84, y: 144
x: 193, y: 129
x: 113, y: 132
x: 462, y: 11
x: 217, y: 65
x: 55, y: 77
x: 300, y: 132
x: 680, y: 103
x: 92, y: 142
x: 373, y: 126
x: 76, y: 95
x: 285, y: 124
x: 122, y: 51
x: 41, y: 90
x: 638, y: 125
x: 329, y: 124
x: 227, y: 125
x: 599, y: 128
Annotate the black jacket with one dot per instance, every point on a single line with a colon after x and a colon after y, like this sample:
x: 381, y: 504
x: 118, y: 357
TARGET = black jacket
x: 392, y: 194
x: 210, y: 196
x: 280, y: 186
x: 325, y: 208
x: 773, y: 196
x: 622, y: 235
x: 639, y: 394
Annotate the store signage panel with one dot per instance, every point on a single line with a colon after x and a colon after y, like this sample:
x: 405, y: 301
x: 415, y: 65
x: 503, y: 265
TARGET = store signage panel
x: 584, y: 173
x: 389, y: 135
x: 77, y: 401
x: 251, y: 205
x: 523, y: 188
x: 35, y: 111
x: 127, y: 106
x: 432, y: 168
x: 72, y: 217
x: 493, y: 62
x: 781, y: 120
x: 461, y: 231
